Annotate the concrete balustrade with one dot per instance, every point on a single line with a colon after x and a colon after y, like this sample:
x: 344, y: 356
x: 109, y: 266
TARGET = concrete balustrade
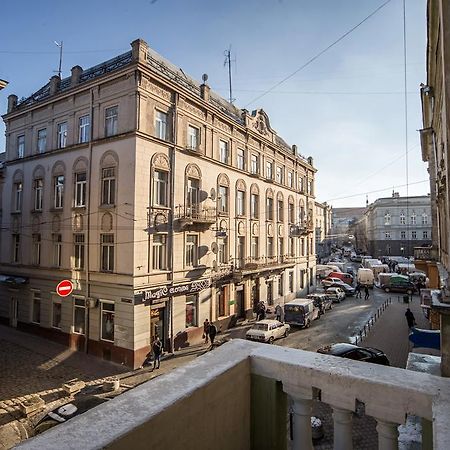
x: 208, y: 403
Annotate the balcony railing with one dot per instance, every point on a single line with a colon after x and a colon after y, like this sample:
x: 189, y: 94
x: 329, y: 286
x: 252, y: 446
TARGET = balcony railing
x: 196, y: 214
x: 425, y: 253
x: 301, y: 229
x: 246, y: 389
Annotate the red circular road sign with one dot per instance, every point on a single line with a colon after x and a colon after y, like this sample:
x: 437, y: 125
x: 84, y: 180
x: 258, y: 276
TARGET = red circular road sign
x: 64, y: 288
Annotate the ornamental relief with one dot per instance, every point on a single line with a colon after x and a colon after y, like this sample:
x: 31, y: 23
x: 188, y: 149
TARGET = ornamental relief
x: 107, y: 222
x: 255, y: 229
x: 159, y: 91
x: 223, y: 126
x: 160, y: 161
x: 35, y: 224
x: 269, y: 230
x: 187, y: 106
x: 241, y: 228
x: 78, y: 222
x: 56, y: 223
x: 253, y: 142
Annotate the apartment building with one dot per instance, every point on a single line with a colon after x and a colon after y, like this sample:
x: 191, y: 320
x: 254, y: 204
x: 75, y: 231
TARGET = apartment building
x: 162, y: 203
x: 323, y: 228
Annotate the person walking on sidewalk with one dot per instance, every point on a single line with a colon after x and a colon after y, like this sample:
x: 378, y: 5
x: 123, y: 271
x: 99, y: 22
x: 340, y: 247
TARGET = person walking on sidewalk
x: 279, y: 313
x: 358, y: 291
x: 157, y: 350
x: 410, y: 318
x: 212, y: 333
x: 206, y: 326
x: 366, y: 292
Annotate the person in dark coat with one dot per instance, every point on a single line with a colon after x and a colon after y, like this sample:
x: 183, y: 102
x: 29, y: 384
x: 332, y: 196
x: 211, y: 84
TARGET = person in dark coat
x: 261, y: 315
x: 410, y: 318
x: 157, y: 350
x: 358, y: 291
x: 212, y: 333
x: 206, y: 326
x: 366, y: 292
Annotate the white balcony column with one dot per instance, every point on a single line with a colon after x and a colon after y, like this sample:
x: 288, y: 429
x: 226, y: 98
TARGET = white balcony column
x: 387, y: 435
x: 301, y: 421
x: 343, y: 429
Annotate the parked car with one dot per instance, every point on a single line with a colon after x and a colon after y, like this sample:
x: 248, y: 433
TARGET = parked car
x: 399, y: 284
x: 336, y: 294
x: 300, y: 312
x: 345, y: 277
x: 328, y: 281
x: 349, y: 290
x: 321, y: 301
x: 365, y: 277
x: 267, y: 331
x: 350, y: 351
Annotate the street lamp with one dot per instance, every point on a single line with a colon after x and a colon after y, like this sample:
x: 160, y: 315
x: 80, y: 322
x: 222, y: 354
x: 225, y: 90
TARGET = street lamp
x: 3, y: 84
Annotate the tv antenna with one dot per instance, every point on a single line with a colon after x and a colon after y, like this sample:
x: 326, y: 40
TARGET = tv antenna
x: 60, y: 45
x: 228, y: 62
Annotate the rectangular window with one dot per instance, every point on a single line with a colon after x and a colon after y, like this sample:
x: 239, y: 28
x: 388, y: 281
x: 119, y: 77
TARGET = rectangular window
x: 191, y: 250
x: 301, y: 185
x: 61, y: 135
x: 161, y: 125
x: 281, y: 285
x: 402, y: 219
x: 42, y: 140
x: 425, y: 234
x: 224, y: 152
x: 222, y: 244
x: 254, y: 248
x: 56, y: 314
x: 241, y: 159
x: 280, y: 211
x: 111, y: 118
x: 240, y: 203
x: 254, y: 206
x: 36, y: 312
x: 107, y: 321
x: 413, y: 234
x: 302, y: 245
x: 21, y: 146
x: 108, y: 186
x: 193, y: 138
x: 36, y: 249
x: 16, y: 247
x: 79, y: 315
x: 18, y: 190
x: 38, y: 194
x: 80, y: 189
x: 191, y: 311
x: 290, y: 179
x: 310, y: 187
x: 269, y: 170
x: 107, y: 252
x: 255, y: 164
x: 84, y: 129
x: 269, y: 208
x: 57, y: 249
x: 291, y: 247
x: 160, y: 185
x: 302, y: 279
x: 59, y: 191
x: 223, y: 199
x: 291, y: 213
x: 413, y: 219
x: 424, y: 219
x: 241, y: 251
x: 291, y: 281
x: 280, y: 247
x: 159, y: 252
x: 78, y: 240
x: 270, y: 249
x: 387, y: 235
x: 402, y: 234
x: 279, y: 177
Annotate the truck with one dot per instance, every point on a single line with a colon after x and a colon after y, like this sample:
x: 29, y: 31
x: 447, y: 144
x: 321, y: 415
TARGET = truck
x: 365, y: 277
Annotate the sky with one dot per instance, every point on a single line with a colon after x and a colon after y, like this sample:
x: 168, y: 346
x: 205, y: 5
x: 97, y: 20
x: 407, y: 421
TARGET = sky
x: 346, y: 109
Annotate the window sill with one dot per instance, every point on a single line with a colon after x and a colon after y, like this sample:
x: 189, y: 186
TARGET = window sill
x: 223, y: 213
x: 79, y: 208
x: 16, y: 213
x: 36, y: 211
x: 55, y: 210
x: 106, y: 340
x: 106, y: 206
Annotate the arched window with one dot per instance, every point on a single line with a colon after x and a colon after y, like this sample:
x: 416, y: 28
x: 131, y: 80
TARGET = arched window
x: 160, y: 177
x: 291, y: 209
x: 254, y: 201
x: 38, y: 188
x: 193, y: 179
x: 424, y: 219
x: 223, y: 194
x: 280, y: 207
x: 108, y: 164
x: 240, y: 197
x: 80, y: 182
x: 269, y: 204
x: 387, y: 219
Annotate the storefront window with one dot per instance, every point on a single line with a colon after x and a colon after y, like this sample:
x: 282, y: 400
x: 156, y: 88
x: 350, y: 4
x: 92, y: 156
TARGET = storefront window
x: 107, y: 321
x: 79, y: 315
x: 191, y: 311
x: 56, y: 315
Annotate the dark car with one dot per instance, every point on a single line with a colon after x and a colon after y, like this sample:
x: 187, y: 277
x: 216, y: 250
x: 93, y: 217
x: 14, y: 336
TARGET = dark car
x: 349, y: 290
x: 405, y: 287
x: 321, y: 301
x: 350, y: 351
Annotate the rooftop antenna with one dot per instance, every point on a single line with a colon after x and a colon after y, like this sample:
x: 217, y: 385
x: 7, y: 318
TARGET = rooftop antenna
x: 60, y: 45
x: 227, y: 62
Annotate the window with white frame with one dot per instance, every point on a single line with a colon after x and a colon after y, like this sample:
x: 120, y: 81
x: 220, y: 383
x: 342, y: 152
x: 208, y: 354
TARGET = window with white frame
x: 269, y: 170
x: 61, y: 135
x: 310, y: 187
x: 36, y: 249
x: 36, y: 307
x: 291, y: 247
x: 302, y: 246
x: 193, y: 195
x: 254, y: 247
x: 58, y: 191
x: 387, y: 234
x: 291, y: 212
x: 80, y: 189
x: 79, y: 315
x: 387, y: 219
x: 56, y: 314
x: 109, y: 186
x: 281, y: 285
x: 78, y: 240
x: 193, y: 137
x: 38, y: 193
x: 191, y: 311
x: 279, y: 176
x: 291, y: 281
x: 223, y: 199
x: 280, y: 211
x: 240, y: 159
x: 57, y: 249
x: 280, y: 247
x: 270, y: 249
x: 224, y: 151
x: 159, y: 253
x: 301, y: 185
x: 107, y: 252
x: 161, y: 125
x: 222, y: 244
x: 18, y: 191
x: 402, y: 219
x: 107, y: 319
x: 42, y: 140
x: 21, y: 146
x: 16, y: 248
x: 254, y: 164
x: 240, y: 203
x: 425, y: 234
x: 413, y: 218
x: 160, y: 188
x: 290, y: 179
x: 254, y: 206
x: 402, y: 234
x: 111, y: 120
x: 269, y: 208
x: 84, y: 129
x: 424, y: 219
x: 413, y: 234
x: 191, y: 256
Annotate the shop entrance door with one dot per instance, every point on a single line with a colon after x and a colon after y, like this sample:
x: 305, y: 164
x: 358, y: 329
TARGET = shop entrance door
x: 240, y: 310
x: 157, y: 325
x: 14, y: 312
x: 255, y: 293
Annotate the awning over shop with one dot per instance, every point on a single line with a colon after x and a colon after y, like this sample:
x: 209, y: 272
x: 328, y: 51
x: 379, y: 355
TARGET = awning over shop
x: 13, y: 280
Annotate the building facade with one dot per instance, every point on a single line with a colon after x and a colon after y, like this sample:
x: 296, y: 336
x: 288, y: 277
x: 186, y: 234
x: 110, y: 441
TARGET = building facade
x: 323, y: 229
x: 396, y: 225
x: 162, y: 203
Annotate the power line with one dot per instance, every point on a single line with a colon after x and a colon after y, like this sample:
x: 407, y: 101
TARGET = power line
x: 46, y: 52
x: 311, y: 60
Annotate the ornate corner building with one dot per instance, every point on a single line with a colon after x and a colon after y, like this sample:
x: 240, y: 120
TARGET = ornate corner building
x: 162, y: 203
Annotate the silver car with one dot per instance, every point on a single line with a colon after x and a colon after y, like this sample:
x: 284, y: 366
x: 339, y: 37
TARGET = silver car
x: 267, y: 331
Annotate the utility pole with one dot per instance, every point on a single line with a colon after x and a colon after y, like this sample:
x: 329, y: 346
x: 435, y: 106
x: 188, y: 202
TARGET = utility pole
x: 60, y: 45
x: 227, y: 62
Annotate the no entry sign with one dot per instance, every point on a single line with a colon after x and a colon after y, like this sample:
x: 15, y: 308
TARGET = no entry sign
x: 64, y: 288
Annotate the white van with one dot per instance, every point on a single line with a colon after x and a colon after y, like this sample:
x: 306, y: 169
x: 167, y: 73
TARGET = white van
x: 365, y: 277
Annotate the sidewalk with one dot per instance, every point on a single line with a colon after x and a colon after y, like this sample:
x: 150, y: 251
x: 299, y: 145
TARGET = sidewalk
x: 390, y: 332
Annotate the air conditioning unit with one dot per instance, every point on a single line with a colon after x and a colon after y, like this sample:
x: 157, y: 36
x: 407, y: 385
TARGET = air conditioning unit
x: 91, y: 302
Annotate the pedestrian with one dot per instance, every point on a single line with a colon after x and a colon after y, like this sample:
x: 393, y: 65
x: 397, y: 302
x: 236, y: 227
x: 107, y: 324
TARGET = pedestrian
x: 419, y: 287
x: 157, y: 350
x: 261, y: 314
x: 410, y: 318
x: 212, y: 333
x: 279, y: 313
x: 358, y: 290
x: 206, y: 326
x: 366, y: 292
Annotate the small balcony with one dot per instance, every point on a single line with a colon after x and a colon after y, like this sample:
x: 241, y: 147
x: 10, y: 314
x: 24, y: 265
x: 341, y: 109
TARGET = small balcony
x: 425, y: 253
x: 195, y: 215
x: 251, y: 396
x: 251, y: 265
x: 301, y: 229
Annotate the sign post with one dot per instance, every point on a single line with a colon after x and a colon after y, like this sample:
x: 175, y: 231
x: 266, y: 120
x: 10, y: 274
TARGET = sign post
x: 64, y: 288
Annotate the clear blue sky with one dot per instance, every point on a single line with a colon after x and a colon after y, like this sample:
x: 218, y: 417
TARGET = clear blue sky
x: 345, y: 109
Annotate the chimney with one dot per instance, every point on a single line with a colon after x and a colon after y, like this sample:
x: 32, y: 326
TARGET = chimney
x: 54, y: 84
x: 204, y: 88
x: 139, y: 50
x: 12, y: 102
x: 310, y: 160
x: 294, y: 149
x: 76, y: 74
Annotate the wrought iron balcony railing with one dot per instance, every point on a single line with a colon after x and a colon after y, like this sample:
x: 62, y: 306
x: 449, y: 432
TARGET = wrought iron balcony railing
x: 196, y: 214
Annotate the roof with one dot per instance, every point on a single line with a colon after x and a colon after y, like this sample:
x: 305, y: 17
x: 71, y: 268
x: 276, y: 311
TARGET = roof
x: 299, y: 301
